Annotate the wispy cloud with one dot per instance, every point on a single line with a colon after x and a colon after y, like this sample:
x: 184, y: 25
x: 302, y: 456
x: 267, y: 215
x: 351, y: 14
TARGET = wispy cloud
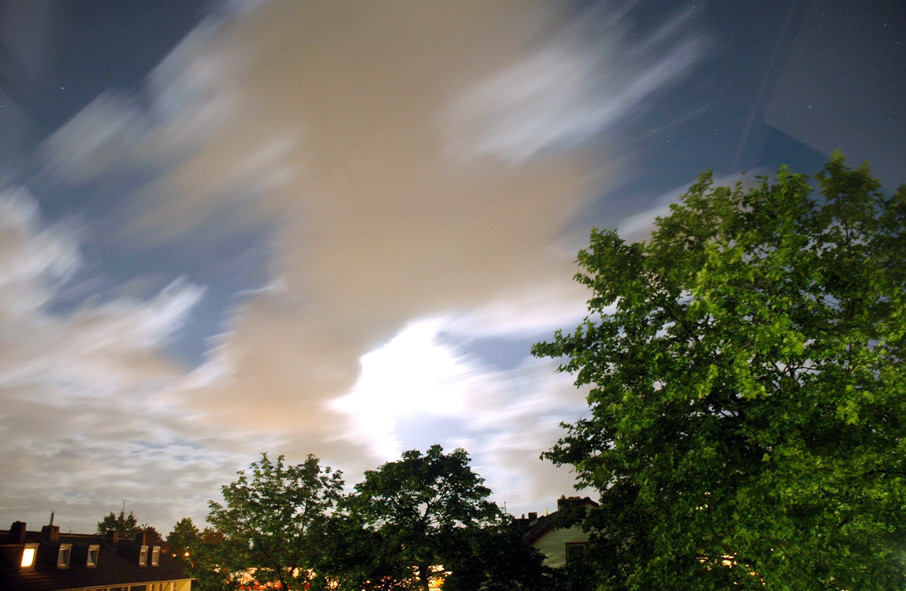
x: 590, y: 75
x: 81, y: 417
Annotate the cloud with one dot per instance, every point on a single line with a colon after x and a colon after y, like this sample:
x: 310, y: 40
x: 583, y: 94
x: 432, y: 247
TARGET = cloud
x: 413, y: 167
x: 640, y: 225
x: 571, y: 88
x: 504, y: 418
x: 95, y: 348
x: 81, y: 418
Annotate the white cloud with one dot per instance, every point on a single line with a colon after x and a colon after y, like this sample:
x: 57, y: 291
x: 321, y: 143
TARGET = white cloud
x: 80, y: 421
x: 31, y: 260
x: 589, y: 77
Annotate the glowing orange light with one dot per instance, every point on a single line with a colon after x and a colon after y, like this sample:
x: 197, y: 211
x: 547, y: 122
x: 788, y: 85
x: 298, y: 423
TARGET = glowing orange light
x: 28, y: 556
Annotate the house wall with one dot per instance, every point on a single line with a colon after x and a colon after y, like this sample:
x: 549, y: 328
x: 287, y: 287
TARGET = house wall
x: 181, y: 585
x: 553, y: 544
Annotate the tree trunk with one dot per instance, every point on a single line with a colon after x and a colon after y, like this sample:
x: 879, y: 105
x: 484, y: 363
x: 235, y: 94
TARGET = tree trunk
x: 424, y: 576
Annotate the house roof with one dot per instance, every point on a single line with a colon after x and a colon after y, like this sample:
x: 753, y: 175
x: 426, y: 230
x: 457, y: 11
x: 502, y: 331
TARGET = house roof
x: 535, y: 527
x: 117, y: 563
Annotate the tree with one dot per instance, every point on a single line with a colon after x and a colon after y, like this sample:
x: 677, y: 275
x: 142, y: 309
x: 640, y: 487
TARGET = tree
x: 745, y: 375
x: 182, y: 539
x: 357, y: 558
x: 124, y: 525
x: 419, y: 504
x: 495, y: 558
x: 275, y: 520
x: 205, y: 560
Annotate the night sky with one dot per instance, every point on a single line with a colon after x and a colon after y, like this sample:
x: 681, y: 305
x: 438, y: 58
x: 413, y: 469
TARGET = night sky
x: 337, y: 228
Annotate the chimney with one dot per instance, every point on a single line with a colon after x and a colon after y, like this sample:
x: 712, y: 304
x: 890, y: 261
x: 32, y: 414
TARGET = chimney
x: 17, y: 532
x: 51, y: 533
x: 533, y: 516
x: 141, y: 538
x: 113, y: 537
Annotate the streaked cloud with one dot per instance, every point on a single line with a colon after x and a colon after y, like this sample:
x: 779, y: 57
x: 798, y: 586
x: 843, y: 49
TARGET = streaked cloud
x: 83, y: 413
x: 592, y: 74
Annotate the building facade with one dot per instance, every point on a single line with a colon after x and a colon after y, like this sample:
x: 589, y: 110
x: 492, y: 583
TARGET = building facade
x: 552, y: 534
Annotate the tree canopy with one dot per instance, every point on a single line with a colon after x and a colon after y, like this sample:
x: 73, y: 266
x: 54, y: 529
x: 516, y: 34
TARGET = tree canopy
x: 125, y: 525
x: 274, y: 522
x: 745, y: 379
x: 420, y: 505
x: 183, y: 538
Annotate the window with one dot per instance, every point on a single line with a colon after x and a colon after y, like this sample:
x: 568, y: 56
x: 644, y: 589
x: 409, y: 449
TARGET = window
x: 63, y: 555
x: 155, y: 555
x: 28, y: 555
x: 575, y: 551
x: 143, y: 556
x: 93, y: 551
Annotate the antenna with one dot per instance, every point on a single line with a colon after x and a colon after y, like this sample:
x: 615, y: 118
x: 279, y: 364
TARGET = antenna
x: 124, y: 505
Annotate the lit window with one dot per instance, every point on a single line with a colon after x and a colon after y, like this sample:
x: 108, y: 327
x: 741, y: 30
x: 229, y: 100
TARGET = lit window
x: 93, y: 551
x: 63, y: 555
x: 155, y: 555
x: 143, y: 556
x: 575, y: 551
x: 28, y: 555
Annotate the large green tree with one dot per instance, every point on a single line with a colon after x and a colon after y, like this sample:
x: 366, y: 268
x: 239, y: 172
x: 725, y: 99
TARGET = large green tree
x: 274, y: 521
x: 745, y: 376
x: 420, y: 506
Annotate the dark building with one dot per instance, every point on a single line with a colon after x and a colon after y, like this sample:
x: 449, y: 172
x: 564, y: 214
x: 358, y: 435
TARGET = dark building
x: 52, y: 561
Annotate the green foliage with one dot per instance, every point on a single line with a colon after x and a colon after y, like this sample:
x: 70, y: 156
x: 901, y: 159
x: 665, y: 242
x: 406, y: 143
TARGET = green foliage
x: 357, y: 558
x: 418, y: 506
x: 125, y: 525
x: 746, y: 386
x: 204, y: 557
x: 183, y: 537
x: 275, y: 520
x: 494, y: 558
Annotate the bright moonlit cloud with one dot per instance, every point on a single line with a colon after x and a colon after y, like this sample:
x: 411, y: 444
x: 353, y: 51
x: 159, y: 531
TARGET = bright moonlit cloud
x: 416, y: 164
x: 410, y: 375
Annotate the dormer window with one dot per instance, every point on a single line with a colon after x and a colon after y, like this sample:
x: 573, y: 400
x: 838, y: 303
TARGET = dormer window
x: 143, y: 556
x: 28, y: 555
x: 63, y: 555
x: 93, y: 551
x: 155, y: 555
